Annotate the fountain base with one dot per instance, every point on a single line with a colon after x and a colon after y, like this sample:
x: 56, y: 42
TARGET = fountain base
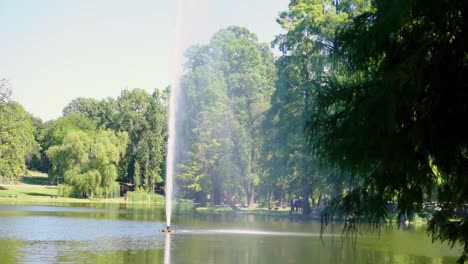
x: 168, y: 230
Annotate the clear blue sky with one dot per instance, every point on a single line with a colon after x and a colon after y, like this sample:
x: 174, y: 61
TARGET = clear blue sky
x: 53, y: 51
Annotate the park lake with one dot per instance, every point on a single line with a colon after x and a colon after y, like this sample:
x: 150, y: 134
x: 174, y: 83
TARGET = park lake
x: 358, y: 107
x: 130, y: 233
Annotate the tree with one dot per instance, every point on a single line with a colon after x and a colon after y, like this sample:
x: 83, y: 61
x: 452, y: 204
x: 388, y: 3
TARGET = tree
x: 16, y: 136
x: 88, y: 107
x: 143, y: 117
x: 227, y: 89
x: 54, y: 132
x: 250, y: 75
x: 305, y: 62
x: 35, y: 160
x: 207, y: 118
x: 89, y: 162
x: 394, y: 107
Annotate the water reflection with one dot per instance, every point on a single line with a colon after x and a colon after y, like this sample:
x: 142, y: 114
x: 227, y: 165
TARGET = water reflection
x: 246, y: 232
x: 167, y: 249
x: 122, y: 234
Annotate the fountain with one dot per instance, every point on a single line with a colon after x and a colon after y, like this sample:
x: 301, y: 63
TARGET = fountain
x: 170, y: 160
x: 171, y: 145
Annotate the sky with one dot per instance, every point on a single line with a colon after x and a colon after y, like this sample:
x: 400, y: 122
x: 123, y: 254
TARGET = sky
x: 53, y: 51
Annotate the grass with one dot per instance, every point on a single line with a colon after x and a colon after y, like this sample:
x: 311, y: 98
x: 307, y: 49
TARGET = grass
x: 256, y: 211
x: 36, y: 187
x: 32, y: 187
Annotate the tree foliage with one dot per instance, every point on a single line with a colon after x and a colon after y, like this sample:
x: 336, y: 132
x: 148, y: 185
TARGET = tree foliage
x: 16, y: 136
x: 304, y: 65
x: 53, y: 133
x: 143, y: 117
x: 394, y: 104
x: 88, y: 162
x: 88, y: 107
x: 227, y: 89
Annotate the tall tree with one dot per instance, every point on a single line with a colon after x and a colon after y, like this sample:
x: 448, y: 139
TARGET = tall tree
x: 306, y: 46
x: 397, y: 118
x: 227, y: 88
x: 16, y: 136
x: 143, y: 116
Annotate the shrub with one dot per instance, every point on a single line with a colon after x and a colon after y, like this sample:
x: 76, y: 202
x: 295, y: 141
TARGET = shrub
x: 65, y: 190
x: 144, y: 197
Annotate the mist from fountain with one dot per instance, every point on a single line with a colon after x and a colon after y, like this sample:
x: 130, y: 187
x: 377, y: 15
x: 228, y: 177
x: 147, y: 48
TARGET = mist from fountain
x: 173, y: 97
x: 170, y: 159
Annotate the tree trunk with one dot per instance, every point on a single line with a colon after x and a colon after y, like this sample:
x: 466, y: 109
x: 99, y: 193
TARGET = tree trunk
x: 305, y: 202
x: 251, y: 187
x: 320, y: 198
x: 217, y: 193
x: 218, y: 196
x: 312, y: 197
x: 212, y: 197
x: 249, y: 190
x: 252, y: 194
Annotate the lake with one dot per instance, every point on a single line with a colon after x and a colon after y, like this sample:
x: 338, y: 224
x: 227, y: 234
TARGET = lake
x: 113, y: 233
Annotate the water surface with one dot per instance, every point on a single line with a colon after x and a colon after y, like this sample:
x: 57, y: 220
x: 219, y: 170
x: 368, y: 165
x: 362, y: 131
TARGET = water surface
x: 92, y: 233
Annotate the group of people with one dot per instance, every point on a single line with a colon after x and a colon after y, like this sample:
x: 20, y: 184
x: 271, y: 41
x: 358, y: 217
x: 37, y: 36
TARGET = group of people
x: 296, y: 205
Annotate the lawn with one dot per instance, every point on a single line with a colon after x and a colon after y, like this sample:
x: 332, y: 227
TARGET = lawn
x: 254, y: 211
x: 36, y: 187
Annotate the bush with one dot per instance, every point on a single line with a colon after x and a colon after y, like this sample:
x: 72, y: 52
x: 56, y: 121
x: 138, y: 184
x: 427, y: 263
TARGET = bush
x: 65, y: 190
x: 114, y: 190
x: 144, y: 197
x: 185, y: 204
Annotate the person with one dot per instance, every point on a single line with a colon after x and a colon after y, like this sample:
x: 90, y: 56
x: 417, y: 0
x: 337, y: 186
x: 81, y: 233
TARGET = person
x: 299, y: 205
x: 293, y: 205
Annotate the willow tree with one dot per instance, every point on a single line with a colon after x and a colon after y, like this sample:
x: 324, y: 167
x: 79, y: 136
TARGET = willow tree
x: 143, y: 116
x: 54, y: 132
x: 89, y: 162
x: 397, y: 119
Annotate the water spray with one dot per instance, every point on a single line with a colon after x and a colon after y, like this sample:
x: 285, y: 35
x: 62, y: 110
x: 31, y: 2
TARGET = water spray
x: 174, y: 91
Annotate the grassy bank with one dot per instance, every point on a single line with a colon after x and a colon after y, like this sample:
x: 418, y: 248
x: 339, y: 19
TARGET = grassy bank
x: 36, y: 188
x: 284, y: 212
x: 253, y: 211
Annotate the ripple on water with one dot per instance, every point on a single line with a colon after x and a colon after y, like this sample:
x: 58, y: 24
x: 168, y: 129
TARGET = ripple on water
x: 44, y: 232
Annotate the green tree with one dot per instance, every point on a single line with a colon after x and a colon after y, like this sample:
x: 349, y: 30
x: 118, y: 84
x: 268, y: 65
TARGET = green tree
x: 35, y: 160
x: 16, y: 136
x: 393, y: 111
x: 227, y: 90
x: 54, y: 132
x: 89, y: 162
x: 206, y: 116
x: 305, y: 63
x: 143, y: 117
x: 88, y: 107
